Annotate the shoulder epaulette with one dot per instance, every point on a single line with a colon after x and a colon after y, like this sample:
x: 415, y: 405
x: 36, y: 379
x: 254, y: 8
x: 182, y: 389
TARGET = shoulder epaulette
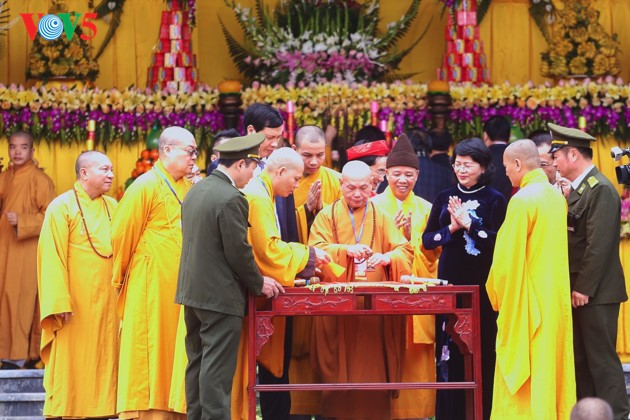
x: 592, y: 181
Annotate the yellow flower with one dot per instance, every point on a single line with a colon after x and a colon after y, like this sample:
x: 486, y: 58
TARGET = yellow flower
x: 569, y: 17
x: 587, y: 50
x: 564, y: 47
x: 596, y: 31
x: 592, y: 14
x: 579, y: 35
x: 59, y: 69
x: 50, y: 52
x: 614, y: 67
x: 559, y: 67
x: 600, y: 65
x: 578, y: 65
x: 608, y: 47
x: 75, y: 51
x: 37, y: 67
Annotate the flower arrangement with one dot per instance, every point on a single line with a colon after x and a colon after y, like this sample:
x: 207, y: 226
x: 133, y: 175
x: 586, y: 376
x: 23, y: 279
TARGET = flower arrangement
x: 126, y: 115
x: 605, y: 104
x: 625, y: 213
x: 306, y: 41
x: 579, y: 45
x: 61, y: 58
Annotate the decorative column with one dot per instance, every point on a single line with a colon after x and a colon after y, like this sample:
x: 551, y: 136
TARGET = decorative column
x: 230, y: 102
x: 465, y: 60
x: 173, y: 65
x: 439, y: 99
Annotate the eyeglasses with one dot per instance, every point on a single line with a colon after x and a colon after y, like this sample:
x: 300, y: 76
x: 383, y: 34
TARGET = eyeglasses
x: 545, y: 164
x: 466, y: 167
x: 380, y: 172
x: 193, y: 153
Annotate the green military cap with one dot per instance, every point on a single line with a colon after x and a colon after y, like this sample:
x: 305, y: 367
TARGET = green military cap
x: 241, y: 147
x: 564, y: 136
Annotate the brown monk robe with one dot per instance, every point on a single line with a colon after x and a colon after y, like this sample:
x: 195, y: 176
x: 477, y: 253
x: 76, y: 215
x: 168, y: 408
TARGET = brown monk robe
x: 25, y: 192
x: 359, y: 348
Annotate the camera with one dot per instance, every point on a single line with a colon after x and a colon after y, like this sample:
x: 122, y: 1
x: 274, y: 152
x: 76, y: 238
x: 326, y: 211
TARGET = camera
x: 623, y: 171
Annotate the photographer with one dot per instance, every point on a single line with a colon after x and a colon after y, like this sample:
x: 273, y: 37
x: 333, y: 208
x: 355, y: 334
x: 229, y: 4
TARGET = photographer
x: 597, y: 280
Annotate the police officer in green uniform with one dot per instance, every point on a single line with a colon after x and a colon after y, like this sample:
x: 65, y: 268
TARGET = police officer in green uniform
x: 597, y: 280
x: 217, y: 267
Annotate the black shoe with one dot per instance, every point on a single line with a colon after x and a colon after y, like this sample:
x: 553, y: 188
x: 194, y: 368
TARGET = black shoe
x: 32, y: 364
x: 9, y: 366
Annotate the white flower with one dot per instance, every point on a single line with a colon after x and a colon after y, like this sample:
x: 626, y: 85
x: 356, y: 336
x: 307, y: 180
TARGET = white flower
x: 320, y: 46
x: 356, y: 37
x: 307, y: 47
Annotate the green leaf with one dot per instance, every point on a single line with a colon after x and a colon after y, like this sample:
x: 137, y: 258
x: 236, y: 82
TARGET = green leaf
x: 394, y: 60
x: 238, y: 53
x: 539, y: 15
x: 401, y: 27
x: 113, y: 27
x: 392, y: 77
x: 482, y: 9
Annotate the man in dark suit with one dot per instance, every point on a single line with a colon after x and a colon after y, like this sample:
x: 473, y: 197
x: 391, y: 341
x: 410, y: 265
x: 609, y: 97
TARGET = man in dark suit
x: 597, y: 280
x: 434, y: 176
x: 217, y: 266
x: 496, y: 135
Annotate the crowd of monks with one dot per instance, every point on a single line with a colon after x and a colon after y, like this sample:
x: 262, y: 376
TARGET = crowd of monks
x: 112, y: 337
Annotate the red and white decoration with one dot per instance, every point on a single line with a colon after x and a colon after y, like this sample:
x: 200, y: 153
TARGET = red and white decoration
x: 173, y: 65
x: 465, y: 60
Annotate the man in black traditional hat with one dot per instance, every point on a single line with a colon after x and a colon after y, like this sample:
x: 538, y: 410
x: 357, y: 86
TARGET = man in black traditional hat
x: 597, y: 280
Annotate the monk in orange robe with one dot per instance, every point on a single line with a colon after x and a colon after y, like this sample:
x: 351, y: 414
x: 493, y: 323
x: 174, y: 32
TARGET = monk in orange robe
x: 25, y: 192
x: 78, y: 303
x: 147, y: 243
x: 359, y: 236
x: 318, y: 188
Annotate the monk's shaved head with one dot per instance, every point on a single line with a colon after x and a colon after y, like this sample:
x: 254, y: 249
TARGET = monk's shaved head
x: 311, y: 134
x: 285, y: 167
x: 24, y: 135
x: 356, y: 184
x: 89, y: 159
x: 592, y: 409
x: 355, y: 170
x: 285, y: 157
x: 526, y: 151
x: 175, y: 135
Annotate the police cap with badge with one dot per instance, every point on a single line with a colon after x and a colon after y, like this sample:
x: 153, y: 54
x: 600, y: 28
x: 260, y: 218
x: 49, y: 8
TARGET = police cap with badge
x: 245, y: 147
x: 564, y: 136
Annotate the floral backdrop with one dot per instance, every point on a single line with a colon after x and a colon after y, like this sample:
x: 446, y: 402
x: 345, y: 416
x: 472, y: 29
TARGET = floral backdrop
x: 127, y: 115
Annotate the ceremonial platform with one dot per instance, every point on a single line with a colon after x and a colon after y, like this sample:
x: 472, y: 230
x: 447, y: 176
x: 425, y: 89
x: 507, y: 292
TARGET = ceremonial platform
x: 459, y: 303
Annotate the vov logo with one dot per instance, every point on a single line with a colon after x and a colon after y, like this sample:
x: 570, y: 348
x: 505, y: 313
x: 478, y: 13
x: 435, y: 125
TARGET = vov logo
x: 51, y: 26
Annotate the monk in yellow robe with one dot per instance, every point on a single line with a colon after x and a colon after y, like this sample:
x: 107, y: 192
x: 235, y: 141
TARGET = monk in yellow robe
x: 275, y: 258
x: 529, y: 286
x: 147, y: 242
x: 78, y: 304
x: 318, y: 188
x: 361, y: 237
x: 410, y: 213
x: 25, y: 192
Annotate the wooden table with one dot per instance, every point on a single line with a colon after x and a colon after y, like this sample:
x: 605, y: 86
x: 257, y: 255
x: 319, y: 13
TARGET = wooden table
x: 459, y: 303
